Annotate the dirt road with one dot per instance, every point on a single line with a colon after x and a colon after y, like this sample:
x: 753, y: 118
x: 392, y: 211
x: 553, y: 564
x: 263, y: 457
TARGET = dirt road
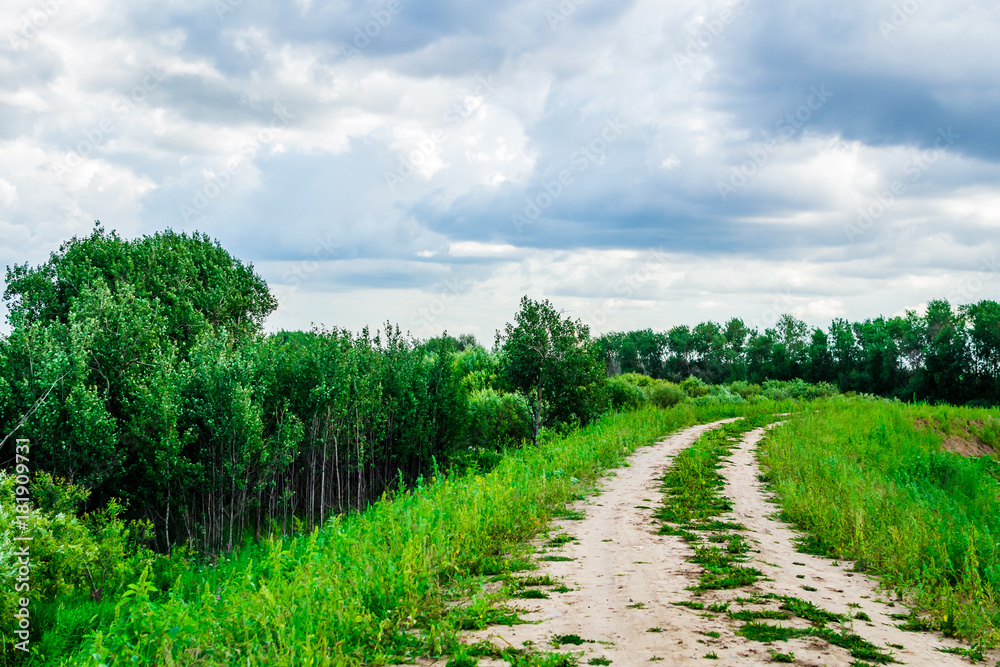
x: 625, y: 576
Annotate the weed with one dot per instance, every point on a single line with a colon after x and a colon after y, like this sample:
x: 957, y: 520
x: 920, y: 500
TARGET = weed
x: 541, y: 580
x: 690, y: 604
x: 858, y: 647
x: 748, y: 615
x: 575, y: 640
x: 560, y: 540
x: 973, y: 654
x: 532, y: 594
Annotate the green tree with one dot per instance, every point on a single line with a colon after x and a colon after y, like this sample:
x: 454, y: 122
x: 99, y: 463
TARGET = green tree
x: 191, y: 281
x: 984, y: 332
x: 819, y: 367
x: 948, y: 373
x: 553, y: 362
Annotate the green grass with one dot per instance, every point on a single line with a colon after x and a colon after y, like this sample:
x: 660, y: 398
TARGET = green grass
x: 575, y: 640
x: 374, y: 586
x: 974, y: 655
x: 858, y: 647
x: 867, y: 484
x: 693, y: 504
x: 689, y: 604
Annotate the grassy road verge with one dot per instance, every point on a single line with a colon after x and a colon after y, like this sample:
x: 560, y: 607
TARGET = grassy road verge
x: 374, y: 587
x: 870, y: 482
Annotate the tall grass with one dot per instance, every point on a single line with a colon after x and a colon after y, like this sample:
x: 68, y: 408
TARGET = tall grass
x: 871, y: 485
x: 373, y: 587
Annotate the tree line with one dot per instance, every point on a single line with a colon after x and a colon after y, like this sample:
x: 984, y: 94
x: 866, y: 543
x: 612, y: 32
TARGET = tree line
x: 949, y: 354
x: 140, y: 371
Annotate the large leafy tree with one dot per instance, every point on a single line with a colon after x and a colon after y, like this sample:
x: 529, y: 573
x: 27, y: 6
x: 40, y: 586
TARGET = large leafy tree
x: 553, y: 362
x: 108, y: 341
x: 948, y: 373
x: 191, y: 282
x: 984, y: 331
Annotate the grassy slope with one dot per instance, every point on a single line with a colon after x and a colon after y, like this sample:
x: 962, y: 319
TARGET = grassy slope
x: 373, y: 586
x: 871, y: 486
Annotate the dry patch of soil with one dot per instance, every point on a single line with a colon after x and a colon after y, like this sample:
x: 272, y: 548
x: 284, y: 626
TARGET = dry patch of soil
x: 966, y: 444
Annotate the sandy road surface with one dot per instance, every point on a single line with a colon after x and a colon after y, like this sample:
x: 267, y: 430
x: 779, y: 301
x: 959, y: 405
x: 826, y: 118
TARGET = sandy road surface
x: 621, y: 561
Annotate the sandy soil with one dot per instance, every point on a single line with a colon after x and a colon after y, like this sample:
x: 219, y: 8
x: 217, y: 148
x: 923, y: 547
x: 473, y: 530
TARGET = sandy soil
x: 625, y: 576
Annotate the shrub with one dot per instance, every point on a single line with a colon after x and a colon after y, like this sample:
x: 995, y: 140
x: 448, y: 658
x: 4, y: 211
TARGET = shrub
x: 639, y: 380
x: 499, y: 419
x: 744, y: 389
x: 623, y: 394
x: 694, y: 387
x: 667, y: 394
x: 93, y: 555
x: 779, y: 390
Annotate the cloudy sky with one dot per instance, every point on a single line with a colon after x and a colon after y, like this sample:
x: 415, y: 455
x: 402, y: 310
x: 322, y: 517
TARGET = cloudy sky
x: 639, y: 163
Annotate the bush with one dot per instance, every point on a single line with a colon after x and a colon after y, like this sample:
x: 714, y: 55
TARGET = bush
x: 694, y: 387
x: 90, y: 556
x: 779, y: 390
x: 499, y: 419
x: 744, y: 389
x: 667, y: 394
x: 624, y: 395
x: 639, y: 380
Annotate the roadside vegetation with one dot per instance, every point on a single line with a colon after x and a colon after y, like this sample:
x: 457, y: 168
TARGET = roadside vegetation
x: 870, y: 481
x: 377, y: 586
x: 206, y: 493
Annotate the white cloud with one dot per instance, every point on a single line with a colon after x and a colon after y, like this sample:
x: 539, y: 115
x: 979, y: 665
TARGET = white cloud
x: 489, y: 105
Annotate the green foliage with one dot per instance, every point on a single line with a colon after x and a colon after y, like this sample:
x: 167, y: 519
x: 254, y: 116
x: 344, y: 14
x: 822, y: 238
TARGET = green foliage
x: 948, y: 355
x: 191, y: 282
x: 377, y: 581
x: 870, y: 486
x: 498, y: 419
x: 553, y: 363
x: 624, y: 395
x: 694, y: 387
x: 80, y: 560
x: 666, y: 395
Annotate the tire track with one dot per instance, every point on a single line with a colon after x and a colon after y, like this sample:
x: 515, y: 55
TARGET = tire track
x: 624, y: 578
